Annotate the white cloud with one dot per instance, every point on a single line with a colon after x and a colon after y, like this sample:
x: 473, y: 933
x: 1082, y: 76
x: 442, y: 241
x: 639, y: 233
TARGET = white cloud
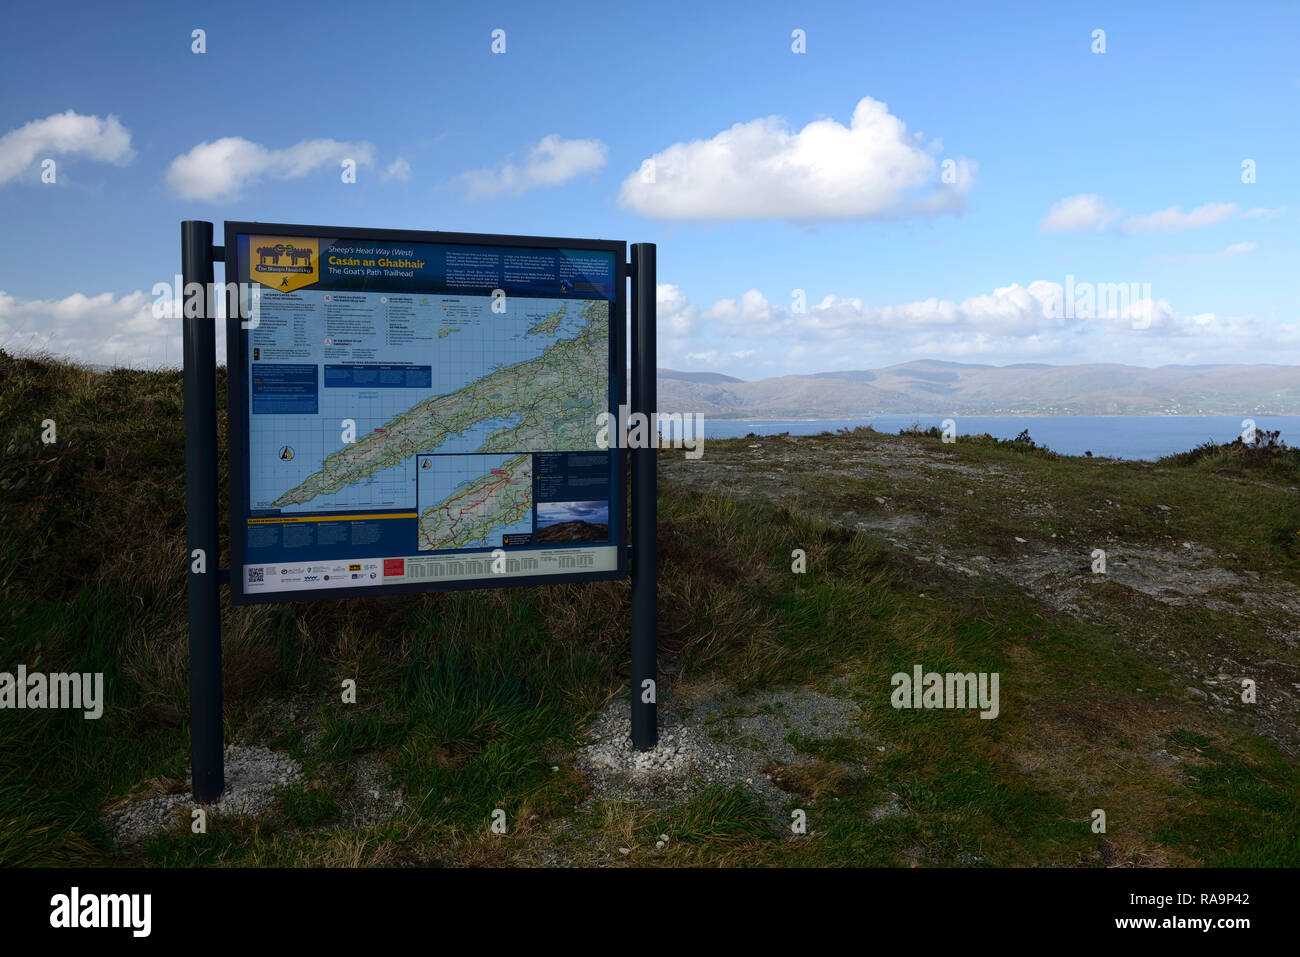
x: 103, y: 328
x: 1010, y: 310
x: 549, y: 162
x: 1074, y: 213
x: 399, y: 170
x: 220, y: 170
x: 747, y: 333
x: 1228, y: 252
x: 63, y: 134
x: 871, y: 169
x: 1234, y: 249
x: 1087, y: 211
x: 1012, y: 323
x: 674, y: 315
x: 714, y: 356
x: 1174, y: 220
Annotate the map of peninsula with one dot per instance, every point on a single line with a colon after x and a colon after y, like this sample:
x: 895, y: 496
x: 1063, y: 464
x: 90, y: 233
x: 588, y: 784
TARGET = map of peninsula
x: 481, y: 511
x: 548, y: 403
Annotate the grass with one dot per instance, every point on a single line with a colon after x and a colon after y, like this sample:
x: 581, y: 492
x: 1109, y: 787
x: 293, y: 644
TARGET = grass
x: 472, y: 702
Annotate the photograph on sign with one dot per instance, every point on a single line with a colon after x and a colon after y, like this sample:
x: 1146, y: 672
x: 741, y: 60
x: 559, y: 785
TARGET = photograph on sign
x: 418, y: 411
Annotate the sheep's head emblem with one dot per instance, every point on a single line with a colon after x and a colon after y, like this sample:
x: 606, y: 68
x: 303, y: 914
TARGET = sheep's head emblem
x: 284, y: 263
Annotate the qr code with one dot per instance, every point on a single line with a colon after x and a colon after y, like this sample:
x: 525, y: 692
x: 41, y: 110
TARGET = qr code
x: 255, y: 576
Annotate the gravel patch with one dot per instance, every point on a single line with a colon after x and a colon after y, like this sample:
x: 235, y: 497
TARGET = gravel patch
x: 374, y: 798
x: 252, y: 777
x: 893, y: 807
x: 710, y: 738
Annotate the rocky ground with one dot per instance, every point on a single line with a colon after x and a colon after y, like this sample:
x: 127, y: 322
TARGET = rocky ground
x: 915, y: 495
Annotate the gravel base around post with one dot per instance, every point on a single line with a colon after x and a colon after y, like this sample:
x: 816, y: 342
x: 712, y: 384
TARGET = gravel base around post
x: 712, y: 737
x: 252, y: 777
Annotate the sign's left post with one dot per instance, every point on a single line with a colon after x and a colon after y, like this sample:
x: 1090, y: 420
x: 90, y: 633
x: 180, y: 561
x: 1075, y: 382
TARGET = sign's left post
x: 202, y: 546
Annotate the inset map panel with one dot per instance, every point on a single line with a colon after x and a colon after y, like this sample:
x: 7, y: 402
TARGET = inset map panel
x: 473, y: 501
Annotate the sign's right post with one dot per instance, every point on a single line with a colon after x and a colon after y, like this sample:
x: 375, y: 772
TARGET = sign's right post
x: 645, y: 508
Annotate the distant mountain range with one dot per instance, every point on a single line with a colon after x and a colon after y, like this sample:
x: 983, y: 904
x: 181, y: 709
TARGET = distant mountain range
x: 932, y: 386
x: 955, y: 388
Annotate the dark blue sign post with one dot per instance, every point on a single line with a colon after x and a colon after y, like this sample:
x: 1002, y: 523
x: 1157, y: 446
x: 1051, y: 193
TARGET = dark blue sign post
x: 645, y: 506
x: 206, y: 737
x: 413, y: 411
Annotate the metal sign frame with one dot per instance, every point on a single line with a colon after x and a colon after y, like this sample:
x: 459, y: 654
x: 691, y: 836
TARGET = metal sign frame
x: 198, y: 256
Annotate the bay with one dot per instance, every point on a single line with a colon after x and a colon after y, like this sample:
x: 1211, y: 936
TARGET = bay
x: 1112, y: 436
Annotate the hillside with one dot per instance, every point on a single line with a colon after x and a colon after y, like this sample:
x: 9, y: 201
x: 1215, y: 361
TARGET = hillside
x: 1119, y: 691
x: 953, y: 388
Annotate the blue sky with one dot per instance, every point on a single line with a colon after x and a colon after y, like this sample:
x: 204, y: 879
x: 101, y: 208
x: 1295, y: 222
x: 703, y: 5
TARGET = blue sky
x: 1115, y: 167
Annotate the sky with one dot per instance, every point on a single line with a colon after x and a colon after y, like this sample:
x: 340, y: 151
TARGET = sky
x: 552, y: 513
x: 830, y: 186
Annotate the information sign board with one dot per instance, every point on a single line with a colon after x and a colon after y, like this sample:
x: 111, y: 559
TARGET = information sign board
x: 416, y: 411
